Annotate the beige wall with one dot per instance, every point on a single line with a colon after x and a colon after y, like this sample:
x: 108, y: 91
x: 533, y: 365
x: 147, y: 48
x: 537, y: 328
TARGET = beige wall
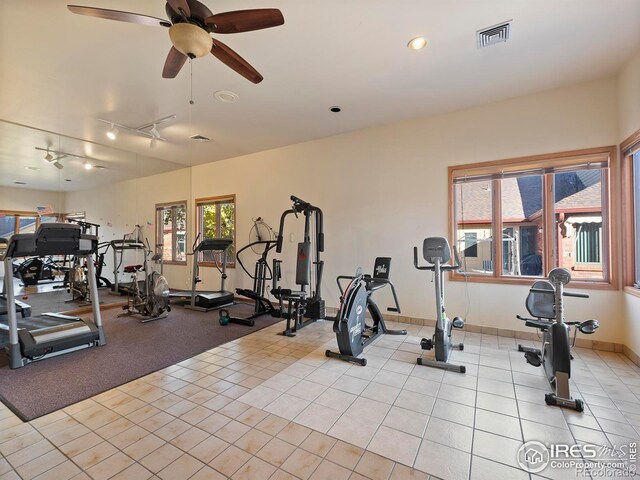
x: 24, y: 199
x: 629, y: 115
x: 382, y: 191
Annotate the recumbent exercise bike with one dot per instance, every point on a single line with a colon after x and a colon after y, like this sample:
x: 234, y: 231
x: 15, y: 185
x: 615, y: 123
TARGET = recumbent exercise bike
x: 352, y: 332
x: 545, y: 302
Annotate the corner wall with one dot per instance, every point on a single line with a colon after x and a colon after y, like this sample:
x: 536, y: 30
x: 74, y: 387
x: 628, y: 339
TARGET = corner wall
x: 629, y: 119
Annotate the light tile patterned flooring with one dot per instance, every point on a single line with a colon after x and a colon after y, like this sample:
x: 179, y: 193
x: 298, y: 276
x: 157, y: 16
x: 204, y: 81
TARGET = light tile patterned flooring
x: 269, y: 407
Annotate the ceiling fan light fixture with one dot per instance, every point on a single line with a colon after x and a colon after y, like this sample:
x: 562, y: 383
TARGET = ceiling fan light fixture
x: 190, y: 40
x: 112, y: 133
x: 87, y: 166
x: 417, y: 43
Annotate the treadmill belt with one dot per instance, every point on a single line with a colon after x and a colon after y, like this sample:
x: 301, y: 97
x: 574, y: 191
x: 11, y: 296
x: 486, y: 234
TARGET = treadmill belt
x: 30, y: 323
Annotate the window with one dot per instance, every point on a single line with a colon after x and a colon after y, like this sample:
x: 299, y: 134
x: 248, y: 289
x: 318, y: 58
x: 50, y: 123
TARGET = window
x: 548, y: 211
x: 12, y: 222
x: 630, y: 150
x: 171, y: 231
x: 217, y: 219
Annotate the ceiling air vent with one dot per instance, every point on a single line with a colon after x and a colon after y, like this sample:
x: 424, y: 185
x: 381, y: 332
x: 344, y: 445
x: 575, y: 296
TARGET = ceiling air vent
x: 492, y: 35
x: 200, y: 138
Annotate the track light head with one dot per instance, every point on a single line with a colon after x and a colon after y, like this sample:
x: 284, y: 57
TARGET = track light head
x: 112, y: 133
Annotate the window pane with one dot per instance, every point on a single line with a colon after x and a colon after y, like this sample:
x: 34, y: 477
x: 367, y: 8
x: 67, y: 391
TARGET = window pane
x: 636, y: 197
x: 167, y: 234
x: 27, y: 224
x: 218, y: 222
x: 48, y: 219
x: 181, y: 233
x: 522, y: 223
x: 7, y: 225
x: 473, y: 201
x: 578, y: 219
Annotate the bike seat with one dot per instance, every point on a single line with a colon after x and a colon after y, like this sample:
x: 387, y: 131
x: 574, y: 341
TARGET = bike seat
x: 287, y: 293
x: 132, y: 268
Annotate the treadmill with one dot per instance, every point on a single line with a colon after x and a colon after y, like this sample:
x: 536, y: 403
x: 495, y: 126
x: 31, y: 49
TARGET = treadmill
x: 72, y: 333
x: 22, y: 308
x: 206, y: 301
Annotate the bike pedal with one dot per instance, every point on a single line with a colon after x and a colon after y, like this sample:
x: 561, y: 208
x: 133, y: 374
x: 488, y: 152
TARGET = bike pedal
x: 457, y: 323
x: 533, y: 359
x: 426, y: 344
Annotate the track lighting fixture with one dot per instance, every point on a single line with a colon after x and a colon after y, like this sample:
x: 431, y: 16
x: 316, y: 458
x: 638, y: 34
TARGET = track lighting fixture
x: 149, y: 130
x: 112, y: 133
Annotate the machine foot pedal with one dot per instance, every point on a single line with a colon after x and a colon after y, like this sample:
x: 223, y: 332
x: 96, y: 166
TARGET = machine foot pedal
x: 457, y: 323
x: 426, y: 344
x: 533, y: 359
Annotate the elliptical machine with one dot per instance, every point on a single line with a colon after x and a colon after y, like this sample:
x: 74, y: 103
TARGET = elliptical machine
x: 352, y: 332
x: 545, y: 302
x: 437, y: 253
x: 261, y: 275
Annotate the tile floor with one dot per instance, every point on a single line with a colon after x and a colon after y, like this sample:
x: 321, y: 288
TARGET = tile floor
x: 269, y: 407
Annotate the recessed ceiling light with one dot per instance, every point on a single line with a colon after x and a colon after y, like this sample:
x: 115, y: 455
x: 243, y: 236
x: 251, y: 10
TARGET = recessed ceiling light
x: 417, y: 43
x: 335, y: 109
x: 87, y: 166
x: 32, y: 168
x: 226, y: 96
x: 67, y: 180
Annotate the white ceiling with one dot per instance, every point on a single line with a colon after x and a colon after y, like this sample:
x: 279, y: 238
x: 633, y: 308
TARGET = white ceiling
x: 59, y: 72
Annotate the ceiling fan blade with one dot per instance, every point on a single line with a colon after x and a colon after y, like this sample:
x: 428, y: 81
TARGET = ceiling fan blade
x: 178, y: 5
x: 235, y: 61
x: 173, y: 64
x: 245, y: 20
x: 119, y: 16
x: 58, y: 165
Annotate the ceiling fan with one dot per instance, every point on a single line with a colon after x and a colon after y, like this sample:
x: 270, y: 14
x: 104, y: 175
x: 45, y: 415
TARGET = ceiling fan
x: 190, y: 23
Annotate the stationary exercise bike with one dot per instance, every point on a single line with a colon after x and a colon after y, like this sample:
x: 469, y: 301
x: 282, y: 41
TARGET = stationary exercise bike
x: 437, y: 253
x: 352, y: 332
x: 545, y: 302
x: 152, y: 301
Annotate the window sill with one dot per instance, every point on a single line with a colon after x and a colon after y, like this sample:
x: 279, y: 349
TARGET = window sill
x: 595, y: 285
x: 167, y: 262
x: 632, y: 291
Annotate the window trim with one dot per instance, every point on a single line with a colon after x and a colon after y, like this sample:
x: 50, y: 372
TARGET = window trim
x: 536, y: 162
x: 231, y: 262
x: 162, y: 206
x: 628, y: 211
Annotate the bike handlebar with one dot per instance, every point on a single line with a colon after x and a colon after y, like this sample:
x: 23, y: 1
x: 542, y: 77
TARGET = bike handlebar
x: 443, y: 266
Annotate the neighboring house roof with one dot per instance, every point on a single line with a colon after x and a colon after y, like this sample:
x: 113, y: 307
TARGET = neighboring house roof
x: 522, y: 196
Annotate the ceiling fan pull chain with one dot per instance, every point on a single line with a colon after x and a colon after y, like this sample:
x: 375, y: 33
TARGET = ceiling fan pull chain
x: 191, y: 72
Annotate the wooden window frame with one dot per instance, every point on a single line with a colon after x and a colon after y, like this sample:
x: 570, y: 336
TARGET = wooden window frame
x: 609, y: 220
x: 25, y: 213
x: 628, y: 214
x: 199, y: 202
x: 161, y: 207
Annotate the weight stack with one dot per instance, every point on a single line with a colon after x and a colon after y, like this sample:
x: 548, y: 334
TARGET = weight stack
x: 315, y: 310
